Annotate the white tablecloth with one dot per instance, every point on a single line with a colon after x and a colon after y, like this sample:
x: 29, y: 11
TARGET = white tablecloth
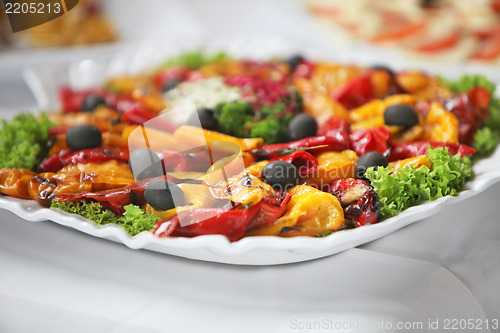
x: 53, y: 279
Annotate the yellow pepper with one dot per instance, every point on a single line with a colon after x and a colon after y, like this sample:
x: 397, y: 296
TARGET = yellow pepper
x: 375, y: 109
x: 333, y: 166
x: 318, y: 104
x: 195, y: 196
x: 440, y: 125
x: 14, y: 182
x: 243, y: 188
x: 309, y: 212
x: 197, y: 137
x: 416, y: 162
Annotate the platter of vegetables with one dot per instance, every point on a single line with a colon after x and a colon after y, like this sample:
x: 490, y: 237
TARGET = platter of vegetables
x: 243, y: 161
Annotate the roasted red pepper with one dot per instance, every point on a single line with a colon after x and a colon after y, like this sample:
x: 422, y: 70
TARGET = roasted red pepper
x: 208, y: 221
x: 373, y: 139
x: 56, y: 130
x: 171, y: 73
x: 115, y: 199
x: 270, y: 210
x: 355, y: 92
x: 133, y: 112
x: 179, y: 161
x: 333, y: 135
x: 303, y: 161
x: 218, y: 221
x: 336, y: 127
x: 71, y: 101
x: 305, y: 69
x: 138, y: 115
x: 469, y: 108
x: 95, y: 155
x: 314, y: 143
x: 359, y: 200
x: 400, y: 151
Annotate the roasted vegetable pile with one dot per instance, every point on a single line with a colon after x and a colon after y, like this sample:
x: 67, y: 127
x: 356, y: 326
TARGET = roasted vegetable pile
x: 288, y: 147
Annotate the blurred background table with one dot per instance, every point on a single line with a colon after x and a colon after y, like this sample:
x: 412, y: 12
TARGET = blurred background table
x: 53, y: 279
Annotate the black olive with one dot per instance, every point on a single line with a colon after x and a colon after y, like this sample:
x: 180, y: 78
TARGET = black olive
x: 371, y: 159
x: 170, y: 84
x: 280, y: 175
x: 294, y: 61
x: 204, y: 117
x: 144, y: 163
x: 162, y: 194
x: 401, y: 115
x: 302, y: 126
x: 429, y: 2
x: 383, y: 68
x: 91, y: 102
x: 83, y: 137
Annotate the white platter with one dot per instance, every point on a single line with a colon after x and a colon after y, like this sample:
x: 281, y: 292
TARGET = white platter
x: 248, y: 251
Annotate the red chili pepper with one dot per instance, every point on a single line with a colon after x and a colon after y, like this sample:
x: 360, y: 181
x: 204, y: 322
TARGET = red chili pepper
x: 303, y: 161
x: 400, y: 151
x: 355, y: 92
x: 359, y: 200
x: 208, y: 221
x: 373, y: 139
x: 115, y: 199
x: 95, y: 155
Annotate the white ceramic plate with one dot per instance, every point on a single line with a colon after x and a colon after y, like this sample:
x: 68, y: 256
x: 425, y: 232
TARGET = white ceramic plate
x: 252, y: 250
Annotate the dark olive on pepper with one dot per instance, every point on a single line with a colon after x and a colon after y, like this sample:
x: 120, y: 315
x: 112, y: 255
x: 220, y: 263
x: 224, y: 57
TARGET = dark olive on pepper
x: 294, y: 61
x: 91, y: 102
x: 83, y: 137
x: 401, y: 115
x: 383, y: 68
x: 203, y: 117
x: 372, y: 159
x: 280, y: 175
x: 163, y: 195
x: 144, y: 163
x: 170, y: 84
x: 302, y: 126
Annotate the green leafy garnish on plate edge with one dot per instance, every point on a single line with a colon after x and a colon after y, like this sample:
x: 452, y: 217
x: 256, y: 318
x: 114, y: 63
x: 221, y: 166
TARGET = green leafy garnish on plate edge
x: 134, y: 220
x: 406, y: 187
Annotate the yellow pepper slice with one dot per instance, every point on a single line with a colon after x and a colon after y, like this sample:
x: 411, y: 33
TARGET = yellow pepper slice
x: 333, y: 166
x: 197, y: 137
x: 440, y: 125
x: 309, y: 212
x: 416, y: 162
x: 243, y: 188
x: 195, y: 196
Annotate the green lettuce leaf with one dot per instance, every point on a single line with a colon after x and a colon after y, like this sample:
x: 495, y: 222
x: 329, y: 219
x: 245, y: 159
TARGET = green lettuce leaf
x: 195, y: 59
x: 23, y: 141
x: 408, y: 186
x: 134, y: 220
